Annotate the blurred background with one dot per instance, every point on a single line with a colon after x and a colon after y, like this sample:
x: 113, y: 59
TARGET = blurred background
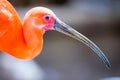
x: 64, y: 58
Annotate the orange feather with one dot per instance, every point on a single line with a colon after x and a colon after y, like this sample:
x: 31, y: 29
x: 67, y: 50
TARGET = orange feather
x: 25, y: 40
x: 23, y: 45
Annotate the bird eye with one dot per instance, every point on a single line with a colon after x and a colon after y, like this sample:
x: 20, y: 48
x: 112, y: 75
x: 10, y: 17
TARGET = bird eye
x: 47, y: 18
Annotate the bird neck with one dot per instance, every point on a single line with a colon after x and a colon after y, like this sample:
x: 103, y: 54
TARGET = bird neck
x: 32, y: 35
x: 27, y: 43
x: 31, y: 42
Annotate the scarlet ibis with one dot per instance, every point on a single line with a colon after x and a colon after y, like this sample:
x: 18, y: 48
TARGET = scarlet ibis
x: 25, y: 40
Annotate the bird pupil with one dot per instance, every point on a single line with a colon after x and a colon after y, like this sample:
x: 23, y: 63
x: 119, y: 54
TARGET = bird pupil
x: 47, y: 17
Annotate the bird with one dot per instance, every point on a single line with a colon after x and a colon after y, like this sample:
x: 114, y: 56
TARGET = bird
x: 24, y: 40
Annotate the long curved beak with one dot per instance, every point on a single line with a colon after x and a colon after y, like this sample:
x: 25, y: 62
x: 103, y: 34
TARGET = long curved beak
x: 67, y: 30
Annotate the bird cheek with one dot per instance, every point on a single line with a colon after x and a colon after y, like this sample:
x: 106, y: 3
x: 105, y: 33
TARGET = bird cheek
x: 49, y: 23
x: 48, y: 27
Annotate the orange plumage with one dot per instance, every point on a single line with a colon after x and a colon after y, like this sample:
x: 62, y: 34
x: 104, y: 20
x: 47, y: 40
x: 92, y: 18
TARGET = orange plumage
x: 24, y: 45
x: 25, y: 40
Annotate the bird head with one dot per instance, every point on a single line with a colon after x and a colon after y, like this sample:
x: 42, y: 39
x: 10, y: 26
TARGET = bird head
x: 44, y: 19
